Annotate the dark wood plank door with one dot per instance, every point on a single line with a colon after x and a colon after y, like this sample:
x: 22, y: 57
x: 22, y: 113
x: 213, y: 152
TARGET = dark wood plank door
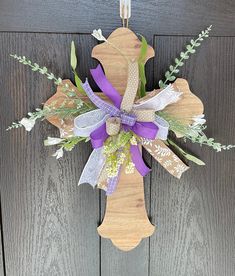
x: 48, y: 223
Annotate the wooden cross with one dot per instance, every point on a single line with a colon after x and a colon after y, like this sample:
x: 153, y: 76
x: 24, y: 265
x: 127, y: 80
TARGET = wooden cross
x: 126, y: 222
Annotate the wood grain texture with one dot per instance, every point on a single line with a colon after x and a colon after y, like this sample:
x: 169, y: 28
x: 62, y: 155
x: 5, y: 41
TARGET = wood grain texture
x: 124, y: 263
x: 135, y: 262
x: 195, y: 217
x: 148, y: 17
x: 114, y: 63
x: 49, y: 222
x: 189, y: 105
x: 125, y: 221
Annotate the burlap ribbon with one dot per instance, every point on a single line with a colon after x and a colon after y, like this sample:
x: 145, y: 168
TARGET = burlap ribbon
x: 142, y: 115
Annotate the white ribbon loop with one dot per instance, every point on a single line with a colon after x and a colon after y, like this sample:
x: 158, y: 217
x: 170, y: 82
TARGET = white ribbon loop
x: 86, y: 123
x: 163, y: 128
x: 158, y: 101
x: 91, y: 172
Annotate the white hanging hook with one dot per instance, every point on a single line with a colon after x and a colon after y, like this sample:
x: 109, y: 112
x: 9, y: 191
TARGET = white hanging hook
x: 125, y: 12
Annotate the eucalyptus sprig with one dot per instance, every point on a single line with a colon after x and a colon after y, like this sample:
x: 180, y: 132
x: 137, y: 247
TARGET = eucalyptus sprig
x: 36, y: 68
x: 58, y: 81
x: 194, y: 133
x: 202, y: 139
x: 190, y: 49
x: 62, y: 111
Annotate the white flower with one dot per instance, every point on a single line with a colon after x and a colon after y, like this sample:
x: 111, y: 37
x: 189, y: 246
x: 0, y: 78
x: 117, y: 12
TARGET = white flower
x: 199, y: 120
x: 98, y: 35
x: 52, y: 141
x: 130, y: 168
x: 27, y: 123
x: 133, y: 141
x: 59, y: 153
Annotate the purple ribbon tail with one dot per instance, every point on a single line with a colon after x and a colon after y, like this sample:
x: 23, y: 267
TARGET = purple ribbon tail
x: 138, y: 160
x: 105, y: 86
x: 98, y: 136
x: 145, y: 130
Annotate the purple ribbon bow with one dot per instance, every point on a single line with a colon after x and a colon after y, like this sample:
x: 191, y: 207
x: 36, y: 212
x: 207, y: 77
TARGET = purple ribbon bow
x: 143, y: 129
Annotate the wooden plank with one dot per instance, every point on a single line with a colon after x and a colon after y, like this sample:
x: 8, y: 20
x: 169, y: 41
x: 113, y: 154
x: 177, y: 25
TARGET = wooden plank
x: 148, y: 17
x: 114, y: 63
x: 49, y: 222
x: 125, y: 208
x: 136, y: 262
x: 195, y: 217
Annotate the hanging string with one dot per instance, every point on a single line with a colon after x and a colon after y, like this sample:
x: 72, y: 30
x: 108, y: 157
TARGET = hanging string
x: 125, y: 12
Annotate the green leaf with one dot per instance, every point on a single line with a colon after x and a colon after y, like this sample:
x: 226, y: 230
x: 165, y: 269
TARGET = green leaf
x: 189, y: 47
x: 51, y: 76
x: 143, y: 50
x: 172, y: 78
x: 194, y: 159
x: 171, y: 68
x: 192, y: 42
x: 177, y: 61
x: 142, y: 79
x: 73, y: 60
x: 141, y: 62
x: 182, y: 55
x: 180, y: 63
x: 167, y: 74
x: 78, y: 83
x: 188, y: 156
x: 161, y: 84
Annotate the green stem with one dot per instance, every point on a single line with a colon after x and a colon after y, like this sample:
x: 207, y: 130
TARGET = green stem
x: 185, y: 154
x: 28, y: 62
x: 202, y: 35
x: 180, y: 61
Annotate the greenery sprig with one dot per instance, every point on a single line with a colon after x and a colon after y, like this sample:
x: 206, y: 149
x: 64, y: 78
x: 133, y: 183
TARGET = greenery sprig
x: 66, y: 144
x: 194, y: 133
x: 78, y: 106
x: 117, y: 153
x: 62, y: 111
x: 36, y: 68
x: 188, y: 156
x: 190, y: 49
x: 73, y: 63
x: 202, y: 139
